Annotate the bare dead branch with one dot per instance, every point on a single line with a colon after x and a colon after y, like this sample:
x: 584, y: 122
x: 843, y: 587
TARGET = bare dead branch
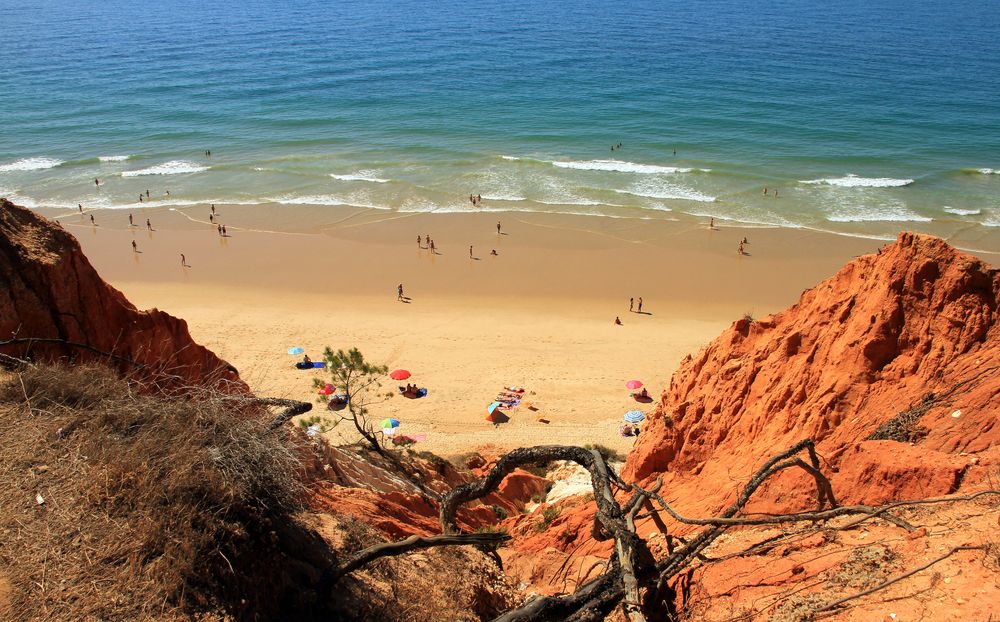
x: 413, y: 543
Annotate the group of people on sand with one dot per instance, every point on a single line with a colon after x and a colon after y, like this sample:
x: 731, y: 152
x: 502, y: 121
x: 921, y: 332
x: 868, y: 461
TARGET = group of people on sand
x: 429, y: 245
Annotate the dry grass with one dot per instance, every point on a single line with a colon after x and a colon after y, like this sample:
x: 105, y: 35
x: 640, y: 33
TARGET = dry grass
x: 118, y: 506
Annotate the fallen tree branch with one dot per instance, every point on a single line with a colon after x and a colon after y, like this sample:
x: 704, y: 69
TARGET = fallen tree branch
x: 292, y: 409
x: 881, y: 586
x: 413, y: 543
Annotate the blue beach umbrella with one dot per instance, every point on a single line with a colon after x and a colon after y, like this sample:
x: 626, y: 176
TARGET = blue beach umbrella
x: 295, y: 350
x: 634, y: 416
x: 492, y: 407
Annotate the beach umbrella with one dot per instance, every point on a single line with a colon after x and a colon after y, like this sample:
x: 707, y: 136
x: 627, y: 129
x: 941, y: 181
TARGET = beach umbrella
x: 493, y: 407
x: 295, y: 350
x: 399, y: 374
x: 389, y: 423
x: 633, y: 384
x: 634, y: 416
x: 329, y: 389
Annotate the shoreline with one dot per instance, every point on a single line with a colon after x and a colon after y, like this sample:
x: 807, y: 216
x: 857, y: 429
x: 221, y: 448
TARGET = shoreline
x: 540, y: 314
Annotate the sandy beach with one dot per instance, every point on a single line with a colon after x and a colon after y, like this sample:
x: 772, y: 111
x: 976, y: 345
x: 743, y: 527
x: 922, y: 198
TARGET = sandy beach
x: 539, y: 314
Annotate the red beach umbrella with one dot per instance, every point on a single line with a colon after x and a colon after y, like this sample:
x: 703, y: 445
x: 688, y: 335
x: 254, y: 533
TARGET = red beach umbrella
x: 633, y: 384
x: 399, y: 374
x: 329, y: 389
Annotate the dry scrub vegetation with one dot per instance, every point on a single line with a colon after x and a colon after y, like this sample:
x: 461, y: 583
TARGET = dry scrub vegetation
x: 116, y: 506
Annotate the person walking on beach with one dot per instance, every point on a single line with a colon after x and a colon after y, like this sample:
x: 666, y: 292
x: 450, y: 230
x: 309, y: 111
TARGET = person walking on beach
x: 213, y: 209
x: 135, y: 247
x: 92, y: 220
x: 640, y: 304
x: 224, y: 234
x: 498, y: 227
x: 419, y: 245
x: 149, y: 225
x: 470, y: 251
x: 130, y: 221
x: 740, y: 249
x: 631, y: 302
x: 711, y: 223
x: 399, y: 292
x: 219, y: 229
x: 184, y: 263
x: 211, y: 218
x: 433, y: 250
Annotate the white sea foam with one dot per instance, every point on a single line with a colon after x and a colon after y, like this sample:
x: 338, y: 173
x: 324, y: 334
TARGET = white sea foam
x: 961, y: 212
x: 570, y: 201
x: 360, y: 176
x: 988, y: 171
x: 878, y: 216
x: 30, y: 164
x: 853, y: 181
x: 512, y: 158
x: 669, y: 193
x: 621, y: 167
x: 503, y: 197
x: 174, y: 167
x: 323, y: 199
x: 114, y: 158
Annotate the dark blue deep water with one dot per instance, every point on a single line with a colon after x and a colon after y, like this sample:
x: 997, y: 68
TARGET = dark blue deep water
x: 867, y: 116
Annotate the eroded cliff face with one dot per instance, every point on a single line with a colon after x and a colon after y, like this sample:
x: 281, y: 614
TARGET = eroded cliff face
x: 905, y: 343
x: 49, y: 291
x: 912, y: 327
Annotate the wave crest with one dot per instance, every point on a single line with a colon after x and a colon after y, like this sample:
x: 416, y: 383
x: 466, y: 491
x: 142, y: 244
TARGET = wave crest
x: 30, y: 164
x: 620, y: 166
x: 174, y: 167
x: 113, y: 158
x: 360, y: 176
x: 853, y: 181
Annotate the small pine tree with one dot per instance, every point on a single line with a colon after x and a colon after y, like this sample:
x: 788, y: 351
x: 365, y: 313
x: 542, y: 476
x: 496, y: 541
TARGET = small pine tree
x: 361, y: 381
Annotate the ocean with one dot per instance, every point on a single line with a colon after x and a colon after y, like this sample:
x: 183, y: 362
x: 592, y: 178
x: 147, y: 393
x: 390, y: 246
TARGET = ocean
x: 866, y: 117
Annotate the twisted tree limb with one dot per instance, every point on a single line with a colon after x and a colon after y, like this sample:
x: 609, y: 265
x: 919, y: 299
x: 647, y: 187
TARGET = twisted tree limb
x: 413, y: 543
x: 292, y: 409
x: 630, y: 550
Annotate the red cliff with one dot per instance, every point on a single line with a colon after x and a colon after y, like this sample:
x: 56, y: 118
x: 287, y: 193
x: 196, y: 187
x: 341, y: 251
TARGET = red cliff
x: 903, y: 346
x: 51, y: 292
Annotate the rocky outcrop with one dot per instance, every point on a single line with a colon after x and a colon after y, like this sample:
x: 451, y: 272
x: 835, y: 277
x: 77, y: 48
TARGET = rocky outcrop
x: 49, y: 291
x: 905, y: 343
x: 892, y: 366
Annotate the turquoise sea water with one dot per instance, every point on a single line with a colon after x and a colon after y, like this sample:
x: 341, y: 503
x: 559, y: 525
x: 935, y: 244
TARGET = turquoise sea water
x: 868, y: 117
